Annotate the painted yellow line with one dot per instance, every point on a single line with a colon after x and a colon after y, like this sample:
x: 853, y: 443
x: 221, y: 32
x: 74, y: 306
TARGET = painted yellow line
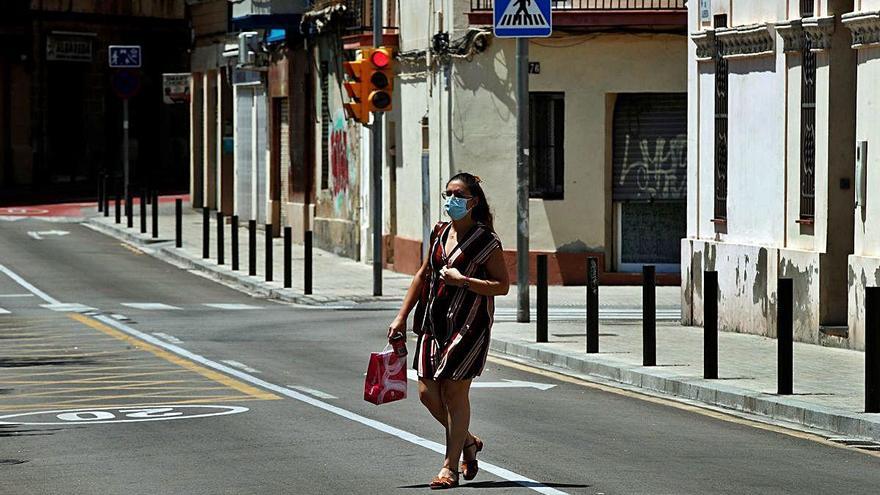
x: 173, y: 358
x: 677, y: 405
x: 131, y: 248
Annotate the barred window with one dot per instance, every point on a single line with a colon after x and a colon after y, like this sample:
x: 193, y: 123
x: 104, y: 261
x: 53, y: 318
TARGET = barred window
x: 721, y: 76
x: 808, y: 123
x: 325, y: 125
x: 546, y: 145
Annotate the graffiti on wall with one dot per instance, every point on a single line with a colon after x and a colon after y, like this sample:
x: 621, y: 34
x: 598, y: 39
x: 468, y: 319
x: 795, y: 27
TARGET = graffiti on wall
x: 658, y: 168
x: 341, y: 165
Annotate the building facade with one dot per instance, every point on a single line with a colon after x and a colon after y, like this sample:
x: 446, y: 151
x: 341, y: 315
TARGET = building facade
x: 60, y: 119
x: 780, y: 96
x: 608, y: 126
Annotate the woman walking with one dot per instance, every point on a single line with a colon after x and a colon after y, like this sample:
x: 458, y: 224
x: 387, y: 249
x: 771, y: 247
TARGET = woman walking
x: 455, y: 289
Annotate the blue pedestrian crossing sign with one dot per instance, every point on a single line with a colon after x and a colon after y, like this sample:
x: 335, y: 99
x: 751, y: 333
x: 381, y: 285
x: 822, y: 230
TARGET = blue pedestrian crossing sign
x: 125, y: 56
x: 523, y: 18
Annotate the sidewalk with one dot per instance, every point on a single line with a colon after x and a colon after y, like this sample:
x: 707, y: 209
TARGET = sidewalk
x: 828, y: 383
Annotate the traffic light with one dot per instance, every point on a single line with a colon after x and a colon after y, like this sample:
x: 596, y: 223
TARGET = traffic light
x: 379, y: 79
x: 354, y: 86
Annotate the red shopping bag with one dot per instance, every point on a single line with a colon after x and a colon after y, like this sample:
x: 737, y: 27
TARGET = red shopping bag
x: 386, y: 377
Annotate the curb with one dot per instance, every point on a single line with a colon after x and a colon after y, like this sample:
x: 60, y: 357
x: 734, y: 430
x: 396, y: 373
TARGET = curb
x: 163, y: 249
x: 695, y: 389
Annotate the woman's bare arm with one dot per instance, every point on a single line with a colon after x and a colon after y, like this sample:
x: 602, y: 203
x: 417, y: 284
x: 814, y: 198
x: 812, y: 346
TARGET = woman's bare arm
x: 409, y: 302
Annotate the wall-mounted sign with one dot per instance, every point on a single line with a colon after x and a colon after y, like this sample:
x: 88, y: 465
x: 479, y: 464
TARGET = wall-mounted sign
x: 705, y: 10
x: 68, y: 48
x: 124, y: 56
x: 534, y: 67
x: 175, y: 88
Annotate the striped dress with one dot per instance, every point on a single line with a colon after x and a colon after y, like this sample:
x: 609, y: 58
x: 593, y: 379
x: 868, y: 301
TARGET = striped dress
x: 453, y: 323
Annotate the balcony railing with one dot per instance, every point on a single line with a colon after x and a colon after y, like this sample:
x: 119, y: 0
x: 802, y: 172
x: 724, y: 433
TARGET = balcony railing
x: 592, y: 5
x: 359, y: 13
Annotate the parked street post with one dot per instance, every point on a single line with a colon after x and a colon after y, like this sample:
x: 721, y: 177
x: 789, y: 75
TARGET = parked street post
x: 288, y: 257
x: 221, y: 251
x: 268, y: 252
x: 252, y: 248
x: 592, y: 305
x: 143, y: 209
x: 178, y: 223
x: 234, y: 240
x: 307, y: 263
x: 376, y: 168
x: 785, y: 335
x: 129, y: 214
x: 155, y: 222
x: 649, y: 316
x: 118, y: 204
x: 542, y: 300
x: 102, y: 184
x: 206, y: 233
x: 872, y: 349
x: 710, y: 325
x: 522, y: 180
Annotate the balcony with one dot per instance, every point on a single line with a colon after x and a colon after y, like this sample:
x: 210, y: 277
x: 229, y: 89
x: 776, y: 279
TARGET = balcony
x: 358, y: 21
x: 569, y: 14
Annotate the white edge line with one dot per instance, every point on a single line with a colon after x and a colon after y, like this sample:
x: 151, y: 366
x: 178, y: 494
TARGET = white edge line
x: 24, y: 283
x: 376, y: 425
x: 4, y: 311
x: 311, y: 391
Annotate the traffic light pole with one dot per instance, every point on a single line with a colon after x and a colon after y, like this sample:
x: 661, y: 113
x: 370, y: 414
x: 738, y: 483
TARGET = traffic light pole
x: 376, y: 166
x: 522, y: 180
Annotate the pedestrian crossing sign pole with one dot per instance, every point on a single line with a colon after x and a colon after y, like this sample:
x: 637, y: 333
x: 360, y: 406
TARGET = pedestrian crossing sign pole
x: 523, y: 18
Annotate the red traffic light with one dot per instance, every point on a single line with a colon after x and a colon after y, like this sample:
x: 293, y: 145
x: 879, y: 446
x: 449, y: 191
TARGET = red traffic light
x: 380, y: 59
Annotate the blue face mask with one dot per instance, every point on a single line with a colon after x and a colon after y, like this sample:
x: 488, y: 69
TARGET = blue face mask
x: 456, y: 208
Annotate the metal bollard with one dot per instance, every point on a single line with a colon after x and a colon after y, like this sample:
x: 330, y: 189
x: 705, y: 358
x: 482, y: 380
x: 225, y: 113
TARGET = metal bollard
x: 178, y: 223
x: 649, y: 315
x: 155, y: 215
x: 129, y: 214
x: 288, y: 261
x: 221, y: 251
x: 541, y: 336
x: 252, y: 248
x: 118, y: 202
x: 143, y: 215
x: 268, y: 252
x: 102, y: 184
x: 872, y: 356
x: 592, y: 305
x: 710, y: 325
x: 206, y: 233
x: 307, y: 264
x: 234, y: 243
x: 106, y: 198
x: 785, y: 335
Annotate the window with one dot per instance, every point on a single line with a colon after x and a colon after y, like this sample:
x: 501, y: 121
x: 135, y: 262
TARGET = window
x: 546, y: 145
x: 325, y: 126
x: 721, y: 72
x: 808, y: 123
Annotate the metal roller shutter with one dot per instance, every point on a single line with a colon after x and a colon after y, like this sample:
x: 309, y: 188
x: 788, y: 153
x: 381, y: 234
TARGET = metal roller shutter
x: 650, y: 147
x: 284, y: 157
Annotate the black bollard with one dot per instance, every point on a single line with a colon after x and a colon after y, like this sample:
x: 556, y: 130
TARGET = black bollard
x: 106, y: 198
x: 178, y: 223
x: 710, y: 325
x: 206, y: 233
x: 288, y: 261
x: 649, y: 316
x: 155, y: 215
x: 102, y: 185
x: 307, y: 263
x: 129, y: 214
x: 268, y: 252
x: 592, y: 305
x: 143, y: 211
x: 785, y: 335
x: 872, y: 356
x: 252, y: 248
x: 221, y: 251
x: 118, y: 201
x: 234, y: 243
x: 541, y: 336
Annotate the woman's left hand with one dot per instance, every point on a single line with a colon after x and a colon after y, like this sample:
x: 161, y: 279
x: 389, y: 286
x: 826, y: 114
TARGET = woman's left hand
x: 452, y: 276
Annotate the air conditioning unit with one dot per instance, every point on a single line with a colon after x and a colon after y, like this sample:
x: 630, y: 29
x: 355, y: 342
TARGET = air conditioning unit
x: 248, y: 47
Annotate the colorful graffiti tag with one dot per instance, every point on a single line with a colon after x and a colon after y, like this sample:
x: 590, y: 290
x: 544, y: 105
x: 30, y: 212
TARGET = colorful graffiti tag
x: 341, y: 166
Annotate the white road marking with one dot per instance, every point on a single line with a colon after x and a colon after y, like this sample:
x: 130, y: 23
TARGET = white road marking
x: 120, y: 317
x: 30, y: 288
x: 151, y: 306
x: 414, y: 376
x: 311, y: 391
x: 232, y: 307
x: 165, y: 336
x: 287, y: 392
x: 10, y: 296
x: 69, y: 307
x: 120, y: 415
x: 4, y: 312
x: 240, y: 366
x: 45, y: 233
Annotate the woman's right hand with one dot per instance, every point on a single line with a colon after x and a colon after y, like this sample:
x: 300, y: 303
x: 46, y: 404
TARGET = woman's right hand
x: 397, y: 326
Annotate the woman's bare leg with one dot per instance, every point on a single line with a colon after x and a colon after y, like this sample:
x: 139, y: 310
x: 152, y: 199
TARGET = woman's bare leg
x: 455, y: 397
x: 429, y: 394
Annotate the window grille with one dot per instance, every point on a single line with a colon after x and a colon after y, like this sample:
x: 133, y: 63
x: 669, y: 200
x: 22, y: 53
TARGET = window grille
x: 721, y: 135
x: 546, y: 145
x: 325, y: 126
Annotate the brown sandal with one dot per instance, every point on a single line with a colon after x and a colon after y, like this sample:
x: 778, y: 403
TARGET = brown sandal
x: 469, y: 469
x: 445, y: 482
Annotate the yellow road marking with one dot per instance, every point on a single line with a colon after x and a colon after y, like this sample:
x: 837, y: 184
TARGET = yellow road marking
x: 678, y: 405
x: 131, y: 248
x: 173, y: 358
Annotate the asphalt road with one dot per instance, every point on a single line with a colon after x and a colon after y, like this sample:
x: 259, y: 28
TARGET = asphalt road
x: 278, y: 391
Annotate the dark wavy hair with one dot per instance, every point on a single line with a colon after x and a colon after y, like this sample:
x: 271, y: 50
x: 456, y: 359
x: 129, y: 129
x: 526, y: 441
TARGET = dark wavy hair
x: 481, y: 213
